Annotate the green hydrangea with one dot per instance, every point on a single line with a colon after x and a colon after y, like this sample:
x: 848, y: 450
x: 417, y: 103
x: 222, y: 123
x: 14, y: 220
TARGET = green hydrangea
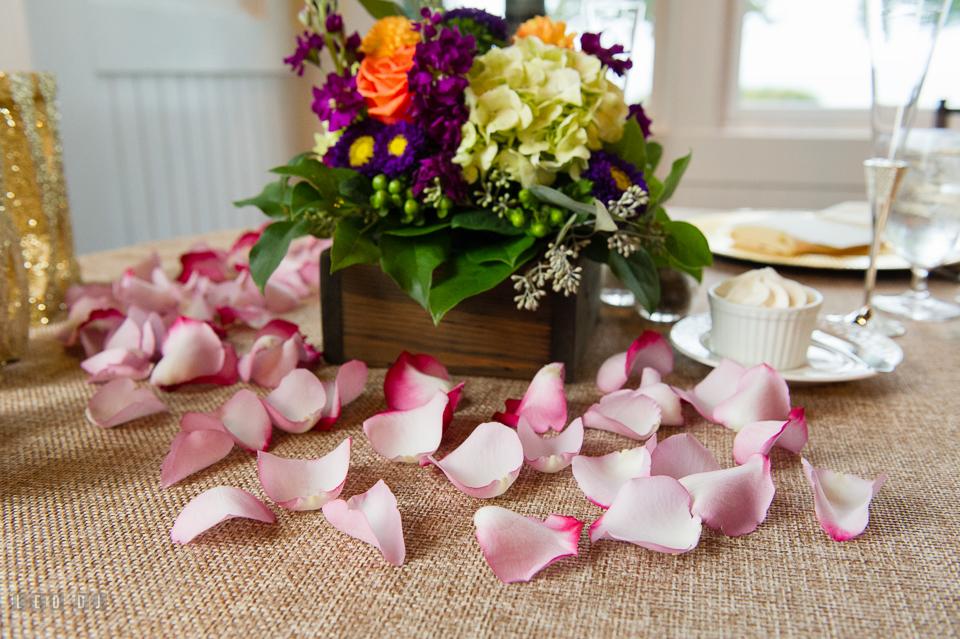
x: 537, y: 110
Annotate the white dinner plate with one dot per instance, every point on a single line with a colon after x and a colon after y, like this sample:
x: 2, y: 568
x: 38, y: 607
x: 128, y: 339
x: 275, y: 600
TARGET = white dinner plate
x: 691, y: 336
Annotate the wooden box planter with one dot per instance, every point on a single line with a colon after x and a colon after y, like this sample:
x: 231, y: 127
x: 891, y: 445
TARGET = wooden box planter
x: 366, y: 316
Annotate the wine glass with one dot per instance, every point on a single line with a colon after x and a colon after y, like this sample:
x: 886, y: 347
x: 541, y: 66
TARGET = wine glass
x: 902, y: 34
x: 924, y: 221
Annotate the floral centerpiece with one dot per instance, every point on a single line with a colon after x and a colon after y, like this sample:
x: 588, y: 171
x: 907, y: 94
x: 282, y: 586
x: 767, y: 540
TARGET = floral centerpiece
x: 456, y: 155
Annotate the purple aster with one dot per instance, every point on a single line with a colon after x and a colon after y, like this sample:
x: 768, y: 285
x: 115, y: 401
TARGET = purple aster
x: 611, y: 176
x: 450, y: 175
x: 356, y: 148
x: 496, y: 25
x: 334, y: 23
x: 636, y: 111
x: 590, y: 43
x: 308, y: 48
x: 400, y: 147
x: 338, y: 101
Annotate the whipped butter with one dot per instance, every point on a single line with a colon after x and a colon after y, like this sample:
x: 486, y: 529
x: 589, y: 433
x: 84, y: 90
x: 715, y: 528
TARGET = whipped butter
x: 763, y: 287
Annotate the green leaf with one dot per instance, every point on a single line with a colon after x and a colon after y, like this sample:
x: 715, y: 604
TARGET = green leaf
x: 631, y: 146
x: 381, y: 8
x: 508, y: 251
x: 413, y: 231
x: 555, y: 197
x: 463, y: 278
x: 325, y: 179
x: 676, y: 172
x: 270, y: 200
x: 485, y: 221
x: 357, y: 189
x: 687, y: 244
x: 654, y: 189
x: 638, y: 273
x: 270, y: 249
x: 302, y: 196
x: 654, y: 153
x: 351, y: 245
x: 411, y: 261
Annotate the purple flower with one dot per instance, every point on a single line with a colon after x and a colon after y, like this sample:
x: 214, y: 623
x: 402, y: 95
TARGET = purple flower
x: 496, y: 25
x: 334, y: 23
x: 590, y: 43
x: 308, y: 48
x: 636, y: 111
x: 338, y: 101
x: 611, y: 176
x: 356, y: 148
x: 400, y: 147
x: 450, y: 175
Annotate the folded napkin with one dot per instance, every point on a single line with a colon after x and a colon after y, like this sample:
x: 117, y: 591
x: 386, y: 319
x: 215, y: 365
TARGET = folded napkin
x: 840, y: 230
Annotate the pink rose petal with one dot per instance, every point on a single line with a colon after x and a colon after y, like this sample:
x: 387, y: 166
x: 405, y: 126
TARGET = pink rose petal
x: 681, y: 455
x: 625, y: 412
x: 842, y: 501
x: 734, y: 500
x: 97, y: 329
x: 192, y: 451
x: 543, y: 405
x: 155, y: 293
x: 653, y: 512
x: 116, y: 363
x: 246, y: 419
x: 517, y: 547
x: 716, y: 387
x: 191, y: 351
x: 214, y: 506
x: 761, y: 395
x: 373, y: 518
x: 210, y: 263
x: 119, y: 401
x: 413, y: 380
x: 408, y: 435
x: 350, y: 382
x: 285, y: 330
x: 486, y: 464
x: 600, y: 478
x: 269, y: 360
x: 649, y: 350
x: 297, y: 403
x: 760, y: 437
x: 554, y: 454
x: 668, y: 401
x: 304, y: 484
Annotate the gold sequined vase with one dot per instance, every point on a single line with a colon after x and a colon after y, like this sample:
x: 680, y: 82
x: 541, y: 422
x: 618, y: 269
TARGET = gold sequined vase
x: 32, y: 190
x: 14, y: 308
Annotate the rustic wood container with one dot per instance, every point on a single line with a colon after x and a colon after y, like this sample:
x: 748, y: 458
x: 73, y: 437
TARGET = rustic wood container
x: 366, y: 316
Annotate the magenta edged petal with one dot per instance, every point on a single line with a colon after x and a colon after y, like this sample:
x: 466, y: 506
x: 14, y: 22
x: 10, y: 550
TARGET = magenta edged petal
x: 304, y: 484
x: 716, y: 387
x: 408, y: 435
x: 191, y: 350
x: 649, y: 350
x: 454, y: 398
x: 246, y: 419
x: 372, y: 517
x: 842, y: 501
x: 486, y: 464
x: 192, y: 451
x: 554, y: 454
x: 760, y: 437
x: 413, y: 380
x: 682, y: 455
x: 214, y: 506
x: 761, y: 395
x: 517, y: 547
x: 116, y: 363
x: 626, y: 412
x: 734, y: 500
x: 119, y: 401
x: 600, y: 478
x: 351, y: 380
x: 653, y: 512
x: 544, y: 405
x: 297, y: 403
x: 269, y: 360
x: 227, y: 375
x: 794, y: 436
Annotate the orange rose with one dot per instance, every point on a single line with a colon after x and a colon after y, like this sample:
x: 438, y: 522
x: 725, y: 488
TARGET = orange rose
x: 383, y: 83
x: 547, y: 30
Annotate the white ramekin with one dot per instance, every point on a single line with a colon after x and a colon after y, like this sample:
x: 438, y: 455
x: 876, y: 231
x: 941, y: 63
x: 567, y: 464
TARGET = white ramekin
x: 751, y: 335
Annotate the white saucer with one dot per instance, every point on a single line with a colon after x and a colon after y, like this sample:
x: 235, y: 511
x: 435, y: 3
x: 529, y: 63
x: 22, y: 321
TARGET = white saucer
x: 691, y: 336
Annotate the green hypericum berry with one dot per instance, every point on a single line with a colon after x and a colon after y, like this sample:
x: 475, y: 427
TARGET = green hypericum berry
x: 557, y: 216
x: 527, y: 198
x: 380, y: 183
x: 397, y: 199
x: 411, y: 207
x: 395, y: 186
x: 409, y: 194
x: 442, y: 212
x: 446, y: 203
x: 517, y: 218
x: 539, y: 229
x: 379, y: 199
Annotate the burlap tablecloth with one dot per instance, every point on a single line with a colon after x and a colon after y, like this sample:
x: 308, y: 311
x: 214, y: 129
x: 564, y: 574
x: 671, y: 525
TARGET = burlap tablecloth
x: 83, y: 512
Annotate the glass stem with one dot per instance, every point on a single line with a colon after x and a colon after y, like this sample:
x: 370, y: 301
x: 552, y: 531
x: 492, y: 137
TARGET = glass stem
x: 918, y: 283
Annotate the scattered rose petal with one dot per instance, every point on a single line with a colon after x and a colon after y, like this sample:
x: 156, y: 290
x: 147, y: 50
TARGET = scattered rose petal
x: 719, y: 385
x: 269, y: 360
x: 304, y: 484
x: 554, y: 454
x: 842, y: 501
x: 192, y: 451
x: 600, y: 478
x: 95, y: 332
x: 649, y: 350
x: 517, y: 547
x: 246, y: 419
x: 625, y: 412
x: 373, y: 518
x: 734, y: 500
x: 681, y: 455
x: 413, y: 380
x: 214, y: 506
x: 761, y: 395
x: 543, y: 405
x: 297, y: 403
x: 192, y: 353
x: 653, y: 512
x: 205, y: 261
x: 349, y: 384
x: 119, y: 401
x: 760, y: 437
x: 285, y: 330
x: 668, y: 401
x: 408, y: 435
x: 486, y: 464
x: 154, y: 293
x: 116, y: 363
